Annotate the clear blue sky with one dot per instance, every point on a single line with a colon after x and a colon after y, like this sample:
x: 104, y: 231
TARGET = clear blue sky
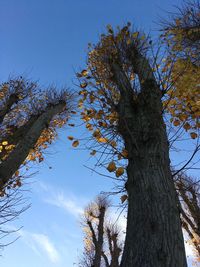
x: 47, y: 41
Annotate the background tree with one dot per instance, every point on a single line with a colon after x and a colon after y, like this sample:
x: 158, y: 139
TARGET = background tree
x: 12, y: 205
x: 182, y: 35
x: 102, y: 244
x: 189, y: 194
x: 29, y: 117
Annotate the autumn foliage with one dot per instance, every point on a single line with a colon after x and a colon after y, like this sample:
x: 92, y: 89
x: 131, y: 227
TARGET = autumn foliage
x: 29, y: 118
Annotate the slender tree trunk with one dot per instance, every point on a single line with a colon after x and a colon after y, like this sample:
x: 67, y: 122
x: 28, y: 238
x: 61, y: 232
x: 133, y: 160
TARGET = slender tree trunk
x: 99, y: 245
x: 154, y: 235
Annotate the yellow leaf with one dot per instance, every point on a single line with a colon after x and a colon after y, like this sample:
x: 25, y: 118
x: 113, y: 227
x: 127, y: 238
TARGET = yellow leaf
x: 193, y: 135
x: 18, y: 183
x: 113, y: 143
x: 70, y: 138
x: 89, y: 126
x: 128, y: 41
x: 123, y: 198
x: 135, y: 34
x: 75, y: 143
x: 119, y: 171
x: 97, y: 133
x: 4, y: 143
x: 186, y: 126
x: 83, y: 85
x: 84, y: 73
x: 16, y: 173
x: 102, y: 140
x: 125, y: 153
x: 111, y: 167
x: 132, y: 76
x: 176, y: 123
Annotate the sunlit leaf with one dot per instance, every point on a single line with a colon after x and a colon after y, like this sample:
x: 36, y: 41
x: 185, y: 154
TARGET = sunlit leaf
x: 119, y: 171
x: 111, y: 167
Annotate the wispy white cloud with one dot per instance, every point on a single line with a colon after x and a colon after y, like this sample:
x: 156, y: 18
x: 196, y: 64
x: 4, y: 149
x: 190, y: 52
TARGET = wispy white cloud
x: 41, y: 245
x: 69, y: 204
x: 64, y: 200
x: 47, y: 246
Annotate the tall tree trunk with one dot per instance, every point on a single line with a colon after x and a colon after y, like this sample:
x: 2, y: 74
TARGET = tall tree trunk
x: 154, y: 236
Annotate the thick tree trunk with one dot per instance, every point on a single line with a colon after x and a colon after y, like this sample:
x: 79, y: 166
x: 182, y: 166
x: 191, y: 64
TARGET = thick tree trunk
x: 154, y: 236
x: 19, y: 154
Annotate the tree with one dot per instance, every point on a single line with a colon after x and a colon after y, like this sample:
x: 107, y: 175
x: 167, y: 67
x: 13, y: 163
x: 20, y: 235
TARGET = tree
x: 182, y: 36
x: 189, y: 194
x: 29, y: 117
x: 182, y: 31
x: 12, y: 205
x: 102, y: 245
x: 124, y: 96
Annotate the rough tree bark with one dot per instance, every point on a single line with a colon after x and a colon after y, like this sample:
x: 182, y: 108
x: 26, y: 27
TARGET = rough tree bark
x: 154, y: 235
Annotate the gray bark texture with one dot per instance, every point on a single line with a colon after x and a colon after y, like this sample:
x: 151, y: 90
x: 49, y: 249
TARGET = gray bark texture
x: 153, y: 235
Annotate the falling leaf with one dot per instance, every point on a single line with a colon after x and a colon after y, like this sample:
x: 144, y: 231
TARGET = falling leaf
x: 70, y: 138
